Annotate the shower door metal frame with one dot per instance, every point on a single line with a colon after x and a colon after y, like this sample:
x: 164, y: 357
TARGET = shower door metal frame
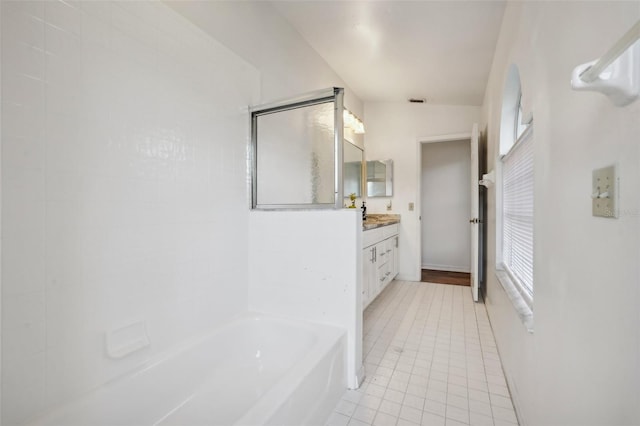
x: 335, y: 95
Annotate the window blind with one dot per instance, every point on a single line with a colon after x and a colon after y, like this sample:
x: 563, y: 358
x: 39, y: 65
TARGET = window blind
x: 517, y: 211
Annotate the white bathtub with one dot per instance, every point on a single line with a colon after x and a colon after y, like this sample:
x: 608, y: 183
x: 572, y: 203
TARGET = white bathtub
x: 256, y: 370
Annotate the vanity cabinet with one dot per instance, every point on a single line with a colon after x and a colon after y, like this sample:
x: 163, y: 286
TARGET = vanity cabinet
x: 380, y: 261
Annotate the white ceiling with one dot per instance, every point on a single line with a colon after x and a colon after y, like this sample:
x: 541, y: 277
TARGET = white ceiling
x: 394, y: 50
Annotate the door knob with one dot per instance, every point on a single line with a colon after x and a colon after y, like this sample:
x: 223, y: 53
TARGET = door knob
x: 474, y: 220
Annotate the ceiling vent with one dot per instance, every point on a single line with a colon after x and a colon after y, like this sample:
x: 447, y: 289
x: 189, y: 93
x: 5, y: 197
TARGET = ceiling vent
x: 417, y: 100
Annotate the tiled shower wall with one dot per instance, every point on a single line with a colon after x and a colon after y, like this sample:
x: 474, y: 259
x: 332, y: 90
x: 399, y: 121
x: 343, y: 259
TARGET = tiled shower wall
x: 124, y: 137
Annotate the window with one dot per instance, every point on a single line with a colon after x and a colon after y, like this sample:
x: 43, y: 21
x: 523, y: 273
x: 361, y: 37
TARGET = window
x: 520, y: 126
x: 516, y: 210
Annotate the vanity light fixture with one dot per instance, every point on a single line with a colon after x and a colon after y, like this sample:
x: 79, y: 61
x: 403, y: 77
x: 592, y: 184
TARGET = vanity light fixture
x: 353, y: 122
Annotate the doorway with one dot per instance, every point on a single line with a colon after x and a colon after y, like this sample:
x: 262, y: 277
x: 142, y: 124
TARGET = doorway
x: 445, y: 205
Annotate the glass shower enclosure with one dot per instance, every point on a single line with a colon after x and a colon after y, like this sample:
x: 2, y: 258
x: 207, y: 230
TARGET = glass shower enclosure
x: 297, y: 152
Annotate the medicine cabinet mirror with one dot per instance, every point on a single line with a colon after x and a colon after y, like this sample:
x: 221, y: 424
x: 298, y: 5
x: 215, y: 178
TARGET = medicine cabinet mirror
x: 380, y: 178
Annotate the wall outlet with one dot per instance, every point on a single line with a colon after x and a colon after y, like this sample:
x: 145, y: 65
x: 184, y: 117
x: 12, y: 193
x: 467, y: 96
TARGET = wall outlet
x: 604, y: 192
x: 410, y: 207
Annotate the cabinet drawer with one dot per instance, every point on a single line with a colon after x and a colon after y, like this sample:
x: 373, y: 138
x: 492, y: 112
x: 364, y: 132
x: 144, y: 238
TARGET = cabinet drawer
x: 372, y: 236
x: 389, y: 230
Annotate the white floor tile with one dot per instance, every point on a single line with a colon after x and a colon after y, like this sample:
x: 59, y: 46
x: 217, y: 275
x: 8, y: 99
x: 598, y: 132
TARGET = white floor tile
x: 501, y: 401
x: 337, y: 419
x: 417, y: 390
x: 405, y: 422
x: 506, y: 414
x: 411, y: 414
x: 383, y: 419
x: 356, y: 422
x: 397, y: 384
x: 370, y: 401
x: 452, y: 422
x: 352, y: 396
x: 429, y: 419
x: 458, y: 401
x: 435, y: 407
x: 345, y: 407
x: 389, y: 407
x: 480, y: 419
x: 457, y: 414
x: 476, y: 395
x: 497, y: 422
x: 377, y: 390
x: 364, y: 414
x: 436, y: 395
x: 394, y: 396
x: 480, y: 407
x: 457, y: 390
x: 498, y: 390
x: 414, y: 401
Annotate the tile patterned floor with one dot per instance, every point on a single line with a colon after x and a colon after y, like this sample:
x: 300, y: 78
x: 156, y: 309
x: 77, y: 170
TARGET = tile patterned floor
x: 431, y: 359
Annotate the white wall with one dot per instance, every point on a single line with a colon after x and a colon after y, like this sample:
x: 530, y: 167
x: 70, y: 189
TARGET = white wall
x: 307, y: 265
x: 446, y: 205
x: 393, y: 131
x: 256, y: 32
x: 581, y: 364
x: 124, y: 186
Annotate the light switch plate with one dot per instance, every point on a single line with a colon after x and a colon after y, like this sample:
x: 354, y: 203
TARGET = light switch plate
x: 410, y: 207
x: 605, y: 192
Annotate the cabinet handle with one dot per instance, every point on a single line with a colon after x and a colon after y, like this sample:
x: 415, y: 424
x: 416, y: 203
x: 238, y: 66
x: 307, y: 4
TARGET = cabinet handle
x: 396, y: 242
x: 387, y: 274
x: 388, y: 250
x: 383, y: 253
x: 375, y: 254
x: 383, y: 278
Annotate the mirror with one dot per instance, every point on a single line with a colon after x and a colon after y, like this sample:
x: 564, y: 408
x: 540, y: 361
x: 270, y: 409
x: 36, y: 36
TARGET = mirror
x: 380, y: 178
x: 352, y: 173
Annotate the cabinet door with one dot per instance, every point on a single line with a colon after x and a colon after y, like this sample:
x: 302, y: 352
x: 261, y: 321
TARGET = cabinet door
x: 369, y: 284
x: 382, y: 276
x: 395, y: 244
x: 382, y: 266
x: 389, y: 247
x: 366, y: 268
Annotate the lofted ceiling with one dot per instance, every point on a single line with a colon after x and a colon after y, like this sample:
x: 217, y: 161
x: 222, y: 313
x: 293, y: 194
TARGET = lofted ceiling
x: 394, y: 50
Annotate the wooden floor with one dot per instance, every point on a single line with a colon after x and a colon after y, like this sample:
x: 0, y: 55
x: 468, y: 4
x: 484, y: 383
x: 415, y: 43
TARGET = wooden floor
x: 445, y: 277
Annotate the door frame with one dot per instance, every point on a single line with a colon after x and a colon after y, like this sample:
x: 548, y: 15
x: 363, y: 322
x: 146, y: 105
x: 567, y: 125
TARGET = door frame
x: 419, y: 142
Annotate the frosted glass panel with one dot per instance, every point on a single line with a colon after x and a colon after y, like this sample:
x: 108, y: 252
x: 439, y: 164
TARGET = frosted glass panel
x: 295, y: 156
x: 352, y: 176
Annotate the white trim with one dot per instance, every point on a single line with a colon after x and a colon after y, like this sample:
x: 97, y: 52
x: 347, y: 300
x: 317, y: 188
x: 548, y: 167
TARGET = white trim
x: 403, y: 277
x: 498, y: 210
x: 419, y: 141
x: 523, y: 309
x: 524, y: 292
x: 523, y: 135
x: 447, y: 268
x: 444, y: 138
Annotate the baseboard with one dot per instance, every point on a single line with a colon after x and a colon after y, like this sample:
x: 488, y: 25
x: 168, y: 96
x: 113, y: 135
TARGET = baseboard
x: 448, y: 268
x: 403, y: 277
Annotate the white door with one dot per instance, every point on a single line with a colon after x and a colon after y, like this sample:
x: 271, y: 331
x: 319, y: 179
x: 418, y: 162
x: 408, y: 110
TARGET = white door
x: 475, y: 213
